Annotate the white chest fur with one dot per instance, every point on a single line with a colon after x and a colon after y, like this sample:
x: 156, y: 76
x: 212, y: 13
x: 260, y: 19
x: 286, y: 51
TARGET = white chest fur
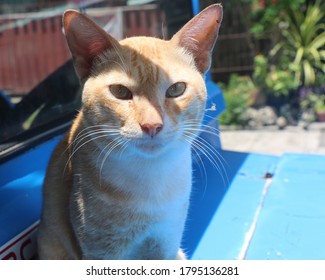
x: 157, y: 180
x: 158, y: 196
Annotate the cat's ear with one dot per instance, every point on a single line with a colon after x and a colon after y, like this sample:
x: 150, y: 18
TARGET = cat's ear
x: 199, y: 35
x: 86, y: 40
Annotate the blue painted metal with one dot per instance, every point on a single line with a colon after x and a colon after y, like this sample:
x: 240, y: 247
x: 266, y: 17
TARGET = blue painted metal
x: 195, y: 6
x: 291, y: 224
x: 226, y: 212
x: 215, y: 105
x: 259, y: 217
x: 215, y: 101
x: 20, y: 189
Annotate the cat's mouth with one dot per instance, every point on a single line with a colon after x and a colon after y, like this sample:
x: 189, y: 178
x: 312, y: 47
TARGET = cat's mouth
x: 149, y: 148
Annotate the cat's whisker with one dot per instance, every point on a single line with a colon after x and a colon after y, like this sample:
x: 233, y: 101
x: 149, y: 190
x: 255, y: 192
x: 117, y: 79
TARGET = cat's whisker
x: 111, y: 141
x: 208, y: 130
x: 215, y: 152
x: 194, y: 121
x: 96, y: 128
x: 219, y: 161
x: 198, y: 131
x: 212, y: 160
x: 124, y: 146
x: 92, y: 133
x: 197, y: 128
x: 204, y: 127
x: 85, y: 129
x: 163, y: 29
x: 201, y: 165
x: 220, y: 157
x: 103, y: 130
x: 117, y: 143
x: 210, y: 153
x: 76, y: 144
x: 78, y: 148
x: 210, y: 117
x: 93, y: 127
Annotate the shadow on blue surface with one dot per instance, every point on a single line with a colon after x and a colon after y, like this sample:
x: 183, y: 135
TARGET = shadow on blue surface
x: 207, y: 193
x: 273, y: 209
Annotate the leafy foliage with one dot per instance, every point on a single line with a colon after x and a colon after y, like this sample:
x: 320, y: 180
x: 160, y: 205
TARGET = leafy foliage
x: 237, y: 96
x: 303, y: 42
x: 272, y: 79
x: 294, y: 62
x: 298, y: 58
x: 267, y: 16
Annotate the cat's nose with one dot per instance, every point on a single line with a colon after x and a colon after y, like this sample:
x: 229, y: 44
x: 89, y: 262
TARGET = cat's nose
x: 151, y: 129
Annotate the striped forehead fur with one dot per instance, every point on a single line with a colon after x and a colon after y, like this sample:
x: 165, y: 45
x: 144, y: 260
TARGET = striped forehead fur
x: 131, y: 55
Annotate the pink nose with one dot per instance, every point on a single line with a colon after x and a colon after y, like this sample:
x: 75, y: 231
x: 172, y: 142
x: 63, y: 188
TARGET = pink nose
x: 151, y: 129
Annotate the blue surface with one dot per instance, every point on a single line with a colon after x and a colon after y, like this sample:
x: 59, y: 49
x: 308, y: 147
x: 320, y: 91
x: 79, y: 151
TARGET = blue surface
x: 195, y: 7
x: 258, y: 218
x: 215, y: 102
x: 233, y: 207
x: 20, y: 189
x: 292, y: 222
x: 236, y: 213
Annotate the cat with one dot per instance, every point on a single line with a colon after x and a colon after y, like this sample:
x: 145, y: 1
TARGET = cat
x: 118, y: 184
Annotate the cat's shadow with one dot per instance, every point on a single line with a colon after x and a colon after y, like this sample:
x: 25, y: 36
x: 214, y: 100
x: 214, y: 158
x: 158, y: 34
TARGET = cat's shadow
x: 208, y: 190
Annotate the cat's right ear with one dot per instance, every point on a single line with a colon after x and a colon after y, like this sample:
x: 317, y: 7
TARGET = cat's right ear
x: 86, y: 40
x: 199, y: 35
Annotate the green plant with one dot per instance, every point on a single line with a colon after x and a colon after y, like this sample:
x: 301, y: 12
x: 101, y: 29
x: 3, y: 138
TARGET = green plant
x: 314, y: 102
x: 266, y: 16
x: 260, y: 69
x: 320, y: 104
x: 237, y: 96
x: 304, y: 40
x: 272, y: 79
x: 298, y: 59
x: 280, y: 81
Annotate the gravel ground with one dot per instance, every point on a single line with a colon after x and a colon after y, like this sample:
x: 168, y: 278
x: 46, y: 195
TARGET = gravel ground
x: 271, y: 140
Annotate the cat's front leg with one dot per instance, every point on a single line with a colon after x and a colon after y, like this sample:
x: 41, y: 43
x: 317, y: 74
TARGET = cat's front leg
x: 180, y: 255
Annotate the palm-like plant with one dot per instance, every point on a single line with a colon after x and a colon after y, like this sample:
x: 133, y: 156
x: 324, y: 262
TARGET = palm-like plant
x: 304, y: 42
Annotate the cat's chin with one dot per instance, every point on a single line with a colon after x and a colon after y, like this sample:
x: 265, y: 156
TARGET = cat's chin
x: 149, y: 149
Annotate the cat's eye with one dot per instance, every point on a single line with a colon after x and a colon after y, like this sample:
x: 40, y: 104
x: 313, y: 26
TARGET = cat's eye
x: 120, y: 92
x: 176, y: 90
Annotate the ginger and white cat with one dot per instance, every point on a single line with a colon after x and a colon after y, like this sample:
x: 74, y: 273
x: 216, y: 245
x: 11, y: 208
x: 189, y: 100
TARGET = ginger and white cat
x: 118, y: 184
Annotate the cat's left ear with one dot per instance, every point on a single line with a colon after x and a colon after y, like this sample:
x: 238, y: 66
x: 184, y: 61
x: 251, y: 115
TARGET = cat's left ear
x: 199, y: 35
x: 86, y: 40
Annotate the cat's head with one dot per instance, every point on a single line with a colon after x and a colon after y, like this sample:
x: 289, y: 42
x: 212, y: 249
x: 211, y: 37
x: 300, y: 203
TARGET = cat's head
x: 144, y: 91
